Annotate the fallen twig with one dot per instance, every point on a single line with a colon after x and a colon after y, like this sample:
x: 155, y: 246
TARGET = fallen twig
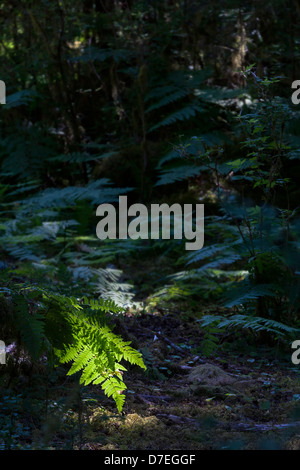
x: 232, y: 426
x: 152, y: 398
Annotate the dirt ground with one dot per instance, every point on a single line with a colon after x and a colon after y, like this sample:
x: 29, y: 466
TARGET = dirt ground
x: 234, y: 399
x: 187, y: 402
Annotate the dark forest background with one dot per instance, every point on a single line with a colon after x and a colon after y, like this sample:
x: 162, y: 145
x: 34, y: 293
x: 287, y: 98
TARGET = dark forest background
x: 165, y: 102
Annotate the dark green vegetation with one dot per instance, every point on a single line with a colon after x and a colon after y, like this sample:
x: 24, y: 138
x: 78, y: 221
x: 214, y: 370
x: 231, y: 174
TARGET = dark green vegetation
x: 166, y: 102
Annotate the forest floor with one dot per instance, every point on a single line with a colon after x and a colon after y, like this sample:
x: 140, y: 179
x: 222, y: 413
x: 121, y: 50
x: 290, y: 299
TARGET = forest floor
x: 239, y: 397
x: 186, y: 402
x: 183, y: 401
